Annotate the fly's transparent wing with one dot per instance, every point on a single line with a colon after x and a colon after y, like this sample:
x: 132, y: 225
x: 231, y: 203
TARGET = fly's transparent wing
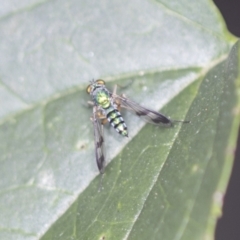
x: 99, y: 141
x: 148, y: 115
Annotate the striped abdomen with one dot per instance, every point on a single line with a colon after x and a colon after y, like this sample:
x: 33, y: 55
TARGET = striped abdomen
x: 116, y: 120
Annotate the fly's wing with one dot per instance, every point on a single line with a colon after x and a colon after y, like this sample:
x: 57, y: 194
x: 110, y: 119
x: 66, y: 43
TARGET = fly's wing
x: 148, y: 115
x: 99, y: 141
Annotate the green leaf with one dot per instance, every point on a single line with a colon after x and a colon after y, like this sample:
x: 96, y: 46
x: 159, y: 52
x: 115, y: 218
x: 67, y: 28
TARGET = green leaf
x: 163, y: 183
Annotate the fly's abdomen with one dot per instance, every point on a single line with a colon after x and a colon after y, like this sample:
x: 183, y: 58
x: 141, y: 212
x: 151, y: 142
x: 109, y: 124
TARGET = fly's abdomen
x: 115, y: 119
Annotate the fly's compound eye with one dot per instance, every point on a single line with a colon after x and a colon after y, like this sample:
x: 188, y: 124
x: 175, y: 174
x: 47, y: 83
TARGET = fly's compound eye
x: 89, y: 89
x: 100, y: 81
x: 94, y: 84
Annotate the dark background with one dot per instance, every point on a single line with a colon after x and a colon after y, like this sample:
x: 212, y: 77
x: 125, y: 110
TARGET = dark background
x: 228, y: 226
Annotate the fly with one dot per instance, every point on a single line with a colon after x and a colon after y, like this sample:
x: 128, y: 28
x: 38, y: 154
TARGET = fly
x: 106, y: 106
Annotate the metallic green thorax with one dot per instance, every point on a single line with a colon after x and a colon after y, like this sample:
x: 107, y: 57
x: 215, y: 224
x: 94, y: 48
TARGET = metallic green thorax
x: 102, y: 98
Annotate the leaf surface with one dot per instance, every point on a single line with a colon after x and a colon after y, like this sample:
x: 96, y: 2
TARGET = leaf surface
x: 164, y: 182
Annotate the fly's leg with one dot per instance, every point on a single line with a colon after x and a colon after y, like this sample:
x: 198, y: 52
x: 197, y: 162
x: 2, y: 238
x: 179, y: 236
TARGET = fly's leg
x: 90, y: 103
x: 100, y: 116
x: 118, y: 101
x: 126, y: 85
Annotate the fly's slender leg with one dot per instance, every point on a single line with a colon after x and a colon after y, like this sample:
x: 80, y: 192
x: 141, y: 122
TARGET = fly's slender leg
x: 115, y: 90
x: 117, y: 101
x: 90, y: 103
x: 102, y: 117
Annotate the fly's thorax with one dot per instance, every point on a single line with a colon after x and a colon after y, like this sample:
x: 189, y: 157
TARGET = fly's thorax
x: 116, y: 120
x: 101, y: 97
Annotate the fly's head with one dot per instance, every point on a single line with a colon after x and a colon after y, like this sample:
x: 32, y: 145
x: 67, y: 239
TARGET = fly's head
x: 95, y: 84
